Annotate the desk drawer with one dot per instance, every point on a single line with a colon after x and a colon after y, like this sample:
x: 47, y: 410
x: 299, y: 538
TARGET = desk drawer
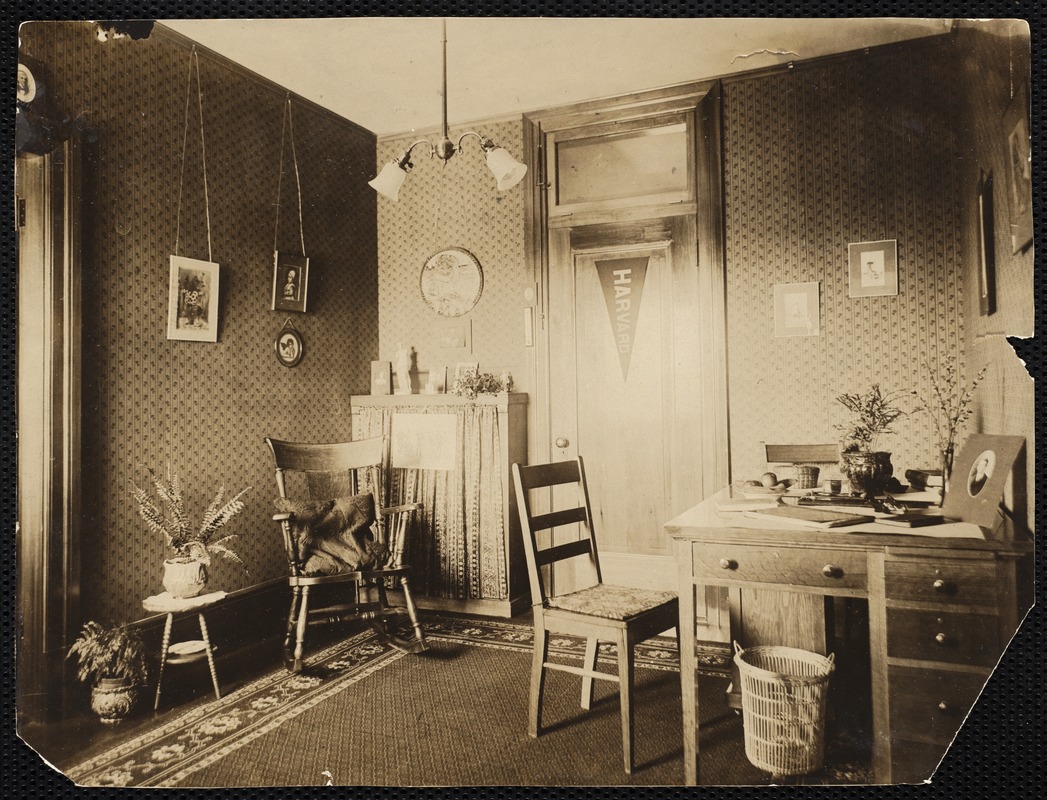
x: 940, y: 580
x: 929, y: 705
x: 802, y: 567
x: 943, y: 636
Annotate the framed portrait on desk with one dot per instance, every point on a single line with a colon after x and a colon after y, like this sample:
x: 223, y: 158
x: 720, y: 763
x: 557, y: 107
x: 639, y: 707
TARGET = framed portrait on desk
x: 979, y: 476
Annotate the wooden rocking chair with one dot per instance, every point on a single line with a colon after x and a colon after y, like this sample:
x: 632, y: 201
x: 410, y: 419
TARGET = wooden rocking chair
x: 335, y: 489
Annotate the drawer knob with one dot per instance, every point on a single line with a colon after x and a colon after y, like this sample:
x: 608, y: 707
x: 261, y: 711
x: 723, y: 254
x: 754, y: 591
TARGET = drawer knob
x: 941, y: 638
x: 728, y: 563
x: 831, y: 571
x: 942, y: 587
x: 943, y: 707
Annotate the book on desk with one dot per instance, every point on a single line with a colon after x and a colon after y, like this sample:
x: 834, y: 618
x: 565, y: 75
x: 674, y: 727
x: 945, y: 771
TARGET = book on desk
x: 811, y: 517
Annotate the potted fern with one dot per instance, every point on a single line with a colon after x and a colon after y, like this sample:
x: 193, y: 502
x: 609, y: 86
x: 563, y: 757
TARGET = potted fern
x: 113, y: 660
x: 185, y: 574
x: 873, y: 415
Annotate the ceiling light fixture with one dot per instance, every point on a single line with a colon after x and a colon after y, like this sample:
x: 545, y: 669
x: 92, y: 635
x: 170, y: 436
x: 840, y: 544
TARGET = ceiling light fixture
x: 507, y: 170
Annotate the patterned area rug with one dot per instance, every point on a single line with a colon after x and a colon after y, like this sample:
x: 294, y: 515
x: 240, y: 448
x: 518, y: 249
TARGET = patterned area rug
x: 188, y: 748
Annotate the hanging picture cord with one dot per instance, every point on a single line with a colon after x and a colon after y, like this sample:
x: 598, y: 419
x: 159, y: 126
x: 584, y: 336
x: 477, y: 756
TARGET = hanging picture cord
x: 288, y: 125
x: 194, y: 61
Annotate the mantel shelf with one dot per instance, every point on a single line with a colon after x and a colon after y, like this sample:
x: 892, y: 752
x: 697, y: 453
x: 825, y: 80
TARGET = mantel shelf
x: 501, y: 400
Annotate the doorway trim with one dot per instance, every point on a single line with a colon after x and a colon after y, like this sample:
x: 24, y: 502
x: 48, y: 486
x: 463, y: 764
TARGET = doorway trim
x: 703, y: 101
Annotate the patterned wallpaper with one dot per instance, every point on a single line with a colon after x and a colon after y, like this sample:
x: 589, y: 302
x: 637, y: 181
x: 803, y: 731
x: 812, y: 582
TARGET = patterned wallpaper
x: 455, y: 205
x: 996, y: 66
x: 827, y: 154
x: 204, y: 408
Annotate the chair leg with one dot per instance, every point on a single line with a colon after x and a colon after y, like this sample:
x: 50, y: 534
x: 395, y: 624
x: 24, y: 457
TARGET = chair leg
x: 292, y: 619
x: 409, y: 644
x: 625, y: 690
x: 412, y: 614
x: 538, y: 659
x: 299, y: 646
x: 588, y: 683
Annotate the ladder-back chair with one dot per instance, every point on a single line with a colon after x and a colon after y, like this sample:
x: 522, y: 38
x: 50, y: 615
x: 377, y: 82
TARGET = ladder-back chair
x: 341, y: 540
x: 598, y: 613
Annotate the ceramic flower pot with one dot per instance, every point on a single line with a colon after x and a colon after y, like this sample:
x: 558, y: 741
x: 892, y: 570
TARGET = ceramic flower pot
x: 113, y: 698
x: 184, y: 577
x: 868, y: 473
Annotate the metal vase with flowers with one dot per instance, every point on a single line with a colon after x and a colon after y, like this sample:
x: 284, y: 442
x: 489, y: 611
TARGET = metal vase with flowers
x: 873, y: 415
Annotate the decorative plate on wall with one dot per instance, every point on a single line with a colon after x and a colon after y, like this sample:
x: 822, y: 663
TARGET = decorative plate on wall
x: 452, y: 282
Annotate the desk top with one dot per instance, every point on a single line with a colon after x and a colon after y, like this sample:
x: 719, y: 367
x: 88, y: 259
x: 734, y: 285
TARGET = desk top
x: 704, y: 519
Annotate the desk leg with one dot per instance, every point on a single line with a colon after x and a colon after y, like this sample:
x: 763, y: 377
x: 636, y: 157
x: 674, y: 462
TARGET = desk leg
x: 880, y: 683
x: 163, y: 659
x: 210, y: 656
x: 688, y: 664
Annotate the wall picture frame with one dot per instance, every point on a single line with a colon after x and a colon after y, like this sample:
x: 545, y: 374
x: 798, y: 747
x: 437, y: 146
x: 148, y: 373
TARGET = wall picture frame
x: 1019, y: 168
x: 986, y: 246
x: 289, y: 345
x: 192, y: 300
x: 797, y: 309
x: 290, y: 282
x: 872, y: 268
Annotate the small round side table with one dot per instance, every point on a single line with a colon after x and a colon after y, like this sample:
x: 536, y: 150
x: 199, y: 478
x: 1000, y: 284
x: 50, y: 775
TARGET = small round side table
x: 186, y: 652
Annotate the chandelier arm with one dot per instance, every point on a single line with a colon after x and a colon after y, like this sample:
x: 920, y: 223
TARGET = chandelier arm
x: 485, y: 143
x: 404, y: 161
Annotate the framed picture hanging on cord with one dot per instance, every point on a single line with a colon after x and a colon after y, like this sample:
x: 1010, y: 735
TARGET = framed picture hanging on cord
x: 192, y: 302
x: 290, y: 282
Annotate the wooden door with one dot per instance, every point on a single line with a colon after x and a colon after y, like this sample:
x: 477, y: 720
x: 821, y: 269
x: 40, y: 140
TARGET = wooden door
x: 624, y: 378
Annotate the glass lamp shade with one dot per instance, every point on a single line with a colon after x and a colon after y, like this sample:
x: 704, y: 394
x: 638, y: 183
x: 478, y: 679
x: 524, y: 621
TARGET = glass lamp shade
x: 506, y: 169
x: 388, y: 182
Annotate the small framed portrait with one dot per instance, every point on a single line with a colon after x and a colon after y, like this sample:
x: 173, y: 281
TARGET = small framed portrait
x: 26, y: 86
x: 1019, y: 168
x: 289, y: 346
x: 872, y: 268
x: 986, y: 247
x: 192, y: 300
x: 464, y: 368
x: 797, y: 310
x: 290, y: 282
x: 979, y: 477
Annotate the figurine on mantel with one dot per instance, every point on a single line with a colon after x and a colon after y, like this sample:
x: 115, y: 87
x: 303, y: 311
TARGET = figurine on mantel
x: 403, y: 369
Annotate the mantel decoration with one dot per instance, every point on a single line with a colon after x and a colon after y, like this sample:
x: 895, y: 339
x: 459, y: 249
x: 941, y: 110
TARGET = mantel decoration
x: 470, y: 383
x: 113, y: 660
x: 290, y: 272
x: 289, y: 345
x: 192, y: 308
x: 452, y: 281
x: 506, y: 169
x: 949, y: 406
x: 873, y: 415
x: 185, y: 574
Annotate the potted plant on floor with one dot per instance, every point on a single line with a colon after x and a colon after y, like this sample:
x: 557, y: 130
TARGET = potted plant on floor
x: 113, y: 660
x: 185, y: 574
x: 873, y: 415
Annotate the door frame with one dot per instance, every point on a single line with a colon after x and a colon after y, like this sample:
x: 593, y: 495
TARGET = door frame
x: 703, y: 102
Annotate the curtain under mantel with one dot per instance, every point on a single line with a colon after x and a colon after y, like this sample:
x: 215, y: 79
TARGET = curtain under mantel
x: 456, y: 543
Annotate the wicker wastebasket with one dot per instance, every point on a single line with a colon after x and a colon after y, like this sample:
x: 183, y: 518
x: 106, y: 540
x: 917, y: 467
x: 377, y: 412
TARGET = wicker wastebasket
x: 783, y: 707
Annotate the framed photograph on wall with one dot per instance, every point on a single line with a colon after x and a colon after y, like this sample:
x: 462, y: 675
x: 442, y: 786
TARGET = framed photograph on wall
x: 192, y: 300
x: 986, y: 246
x: 289, y: 345
x: 290, y: 282
x: 872, y: 268
x: 797, y: 309
x: 1019, y: 168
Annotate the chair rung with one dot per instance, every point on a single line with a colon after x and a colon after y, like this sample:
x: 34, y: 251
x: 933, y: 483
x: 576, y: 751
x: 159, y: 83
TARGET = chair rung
x: 585, y: 673
x: 554, y: 519
x: 561, y: 551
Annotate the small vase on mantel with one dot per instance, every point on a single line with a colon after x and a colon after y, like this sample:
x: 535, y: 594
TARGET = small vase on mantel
x: 947, y: 459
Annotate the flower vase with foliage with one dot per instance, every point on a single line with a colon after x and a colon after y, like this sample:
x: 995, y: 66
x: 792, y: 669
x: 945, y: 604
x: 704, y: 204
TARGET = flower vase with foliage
x: 185, y: 575
x: 873, y: 415
x: 112, y: 660
x: 949, y: 407
x: 470, y: 384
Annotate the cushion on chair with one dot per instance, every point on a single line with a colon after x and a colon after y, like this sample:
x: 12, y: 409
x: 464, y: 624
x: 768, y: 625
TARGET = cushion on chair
x: 610, y: 601
x: 334, y: 536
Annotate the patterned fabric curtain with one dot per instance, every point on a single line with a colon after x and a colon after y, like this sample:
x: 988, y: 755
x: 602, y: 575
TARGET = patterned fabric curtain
x: 457, y: 546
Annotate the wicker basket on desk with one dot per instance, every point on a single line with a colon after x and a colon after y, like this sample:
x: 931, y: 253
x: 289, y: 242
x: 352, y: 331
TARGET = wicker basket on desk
x: 783, y: 707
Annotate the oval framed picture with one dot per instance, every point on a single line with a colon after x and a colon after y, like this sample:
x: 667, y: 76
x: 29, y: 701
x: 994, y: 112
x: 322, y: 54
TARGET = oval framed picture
x: 452, y: 281
x: 289, y: 346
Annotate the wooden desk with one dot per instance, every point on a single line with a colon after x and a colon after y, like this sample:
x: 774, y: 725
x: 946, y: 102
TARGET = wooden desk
x: 941, y: 610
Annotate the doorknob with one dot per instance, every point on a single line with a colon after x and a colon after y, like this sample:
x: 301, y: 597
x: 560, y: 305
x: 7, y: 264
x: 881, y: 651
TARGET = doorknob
x: 561, y: 442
